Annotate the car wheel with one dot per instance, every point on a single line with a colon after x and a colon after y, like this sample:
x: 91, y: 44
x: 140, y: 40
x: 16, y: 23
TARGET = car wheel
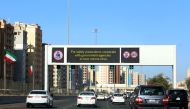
x: 94, y: 105
x: 27, y: 105
x: 78, y: 105
x: 48, y: 105
x: 51, y: 105
x: 186, y: 107
x: 31, y: 105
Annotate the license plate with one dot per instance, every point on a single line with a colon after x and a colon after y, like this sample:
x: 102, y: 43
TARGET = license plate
x: 153, y: 101
x: 37, y: 96
x: 177, y: 98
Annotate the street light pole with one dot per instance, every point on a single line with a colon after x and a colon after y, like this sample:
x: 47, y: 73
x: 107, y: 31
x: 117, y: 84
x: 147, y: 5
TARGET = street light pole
x: 96, y: 35
x: 68, y: 42
x: 96, y: 42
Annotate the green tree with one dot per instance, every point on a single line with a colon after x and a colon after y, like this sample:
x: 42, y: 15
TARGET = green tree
x: 187, y: 81
x: 160, y: 79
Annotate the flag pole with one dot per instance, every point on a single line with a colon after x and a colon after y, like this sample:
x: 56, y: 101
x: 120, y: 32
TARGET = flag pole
x: 5, y: 79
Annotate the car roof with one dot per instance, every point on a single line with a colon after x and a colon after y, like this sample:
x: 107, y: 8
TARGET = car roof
x: 151, y: 85
x: 117, y: 93
x: 177, y: 89
x: 39, y: 90
x: 87, y: 92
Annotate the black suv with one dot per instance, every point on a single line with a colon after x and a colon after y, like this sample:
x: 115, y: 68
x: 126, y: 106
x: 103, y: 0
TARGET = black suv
x: 178, y: 97
x: 149, y: 96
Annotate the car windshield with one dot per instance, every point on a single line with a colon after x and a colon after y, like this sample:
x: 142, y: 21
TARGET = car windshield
x: 38, y: 92
x: 100, y: 94
x: 152, y: 91
x: 118, y: 94
x: 85, y: 93
x: 178, y: 92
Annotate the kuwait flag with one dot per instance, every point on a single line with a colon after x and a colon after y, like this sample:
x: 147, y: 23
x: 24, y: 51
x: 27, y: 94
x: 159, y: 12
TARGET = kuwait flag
x: 30, y: 70
x: 9, y: 57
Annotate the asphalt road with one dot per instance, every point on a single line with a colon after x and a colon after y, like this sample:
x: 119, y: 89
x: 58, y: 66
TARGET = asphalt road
x: 69, y: 103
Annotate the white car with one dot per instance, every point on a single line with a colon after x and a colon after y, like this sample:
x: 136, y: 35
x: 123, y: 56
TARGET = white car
x: 39, y: 97
x: 87, y: 98
x: 118, y: 98
x: 100, y: 97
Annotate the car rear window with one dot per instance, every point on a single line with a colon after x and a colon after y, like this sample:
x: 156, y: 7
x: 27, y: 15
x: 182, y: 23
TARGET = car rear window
x: 100, y: 95
x: 152, y: 91
x: 118, y: 95
x: 38, y: 92
x: 87, y: 94
x: 178, y: 92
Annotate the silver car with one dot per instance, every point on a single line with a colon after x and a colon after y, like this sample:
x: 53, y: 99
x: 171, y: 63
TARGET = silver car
x: 149, y: 96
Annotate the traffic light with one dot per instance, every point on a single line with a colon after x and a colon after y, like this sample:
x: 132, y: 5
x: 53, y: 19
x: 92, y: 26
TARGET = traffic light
x: 131, y: 67
x: 72, y: 66
x: 58, y: 66
x: 112, y: 66
x: 92, y: 67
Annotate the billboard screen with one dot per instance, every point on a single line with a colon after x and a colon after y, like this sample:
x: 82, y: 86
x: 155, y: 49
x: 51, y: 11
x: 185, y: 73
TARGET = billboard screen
x: 93, y: 55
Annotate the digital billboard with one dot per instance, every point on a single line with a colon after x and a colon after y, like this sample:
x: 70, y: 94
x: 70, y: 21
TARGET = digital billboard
x: 93, y: 55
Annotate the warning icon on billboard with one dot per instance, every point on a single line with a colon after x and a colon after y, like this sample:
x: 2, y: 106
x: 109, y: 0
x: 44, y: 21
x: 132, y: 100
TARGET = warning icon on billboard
x: 130, y: 55
x: 57, y: 54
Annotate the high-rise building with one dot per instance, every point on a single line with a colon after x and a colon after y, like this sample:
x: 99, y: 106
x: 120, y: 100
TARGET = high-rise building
x: 188, y: 73
x: 78, y: 77
x: 130, y: 78
x: 142, y: 79
x: 86, y: 74
x: 114, y: 74
x: 6, y: 43
x: 34, y: 52
x: 123, y: 75
x: 59, y: 79
x: 20, y: 47
x: 102, y: 74
x: 111, y: 75
x: 117, y: 76
x: 135, y: 79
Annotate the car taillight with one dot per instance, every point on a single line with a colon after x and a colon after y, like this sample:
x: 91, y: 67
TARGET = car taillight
x: 44, y: 96
x: 79, y: 97
x: 166, y: 100
x: 93, y: 98
x: 29, y: 96
x: 139, y: 100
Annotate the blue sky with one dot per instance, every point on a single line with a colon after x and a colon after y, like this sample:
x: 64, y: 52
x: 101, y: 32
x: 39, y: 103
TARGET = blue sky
x: 128, y: 22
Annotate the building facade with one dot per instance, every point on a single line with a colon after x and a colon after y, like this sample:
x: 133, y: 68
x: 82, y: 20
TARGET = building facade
x: 188, y: 73
x: 6, y: 43
x: 85, y: 75
x: 102, y: 74
x: 135, y: 78
x: 20, y: 47
x: 34, y: 53
x: 142, y: 79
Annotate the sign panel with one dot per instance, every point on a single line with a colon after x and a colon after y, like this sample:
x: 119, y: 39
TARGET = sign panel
x: 130, y: 55
x: 93, y: 55
x: 111, y: 54
x: 58, y: 55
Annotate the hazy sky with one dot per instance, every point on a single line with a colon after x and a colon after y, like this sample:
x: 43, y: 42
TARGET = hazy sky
x: 128, y: 22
